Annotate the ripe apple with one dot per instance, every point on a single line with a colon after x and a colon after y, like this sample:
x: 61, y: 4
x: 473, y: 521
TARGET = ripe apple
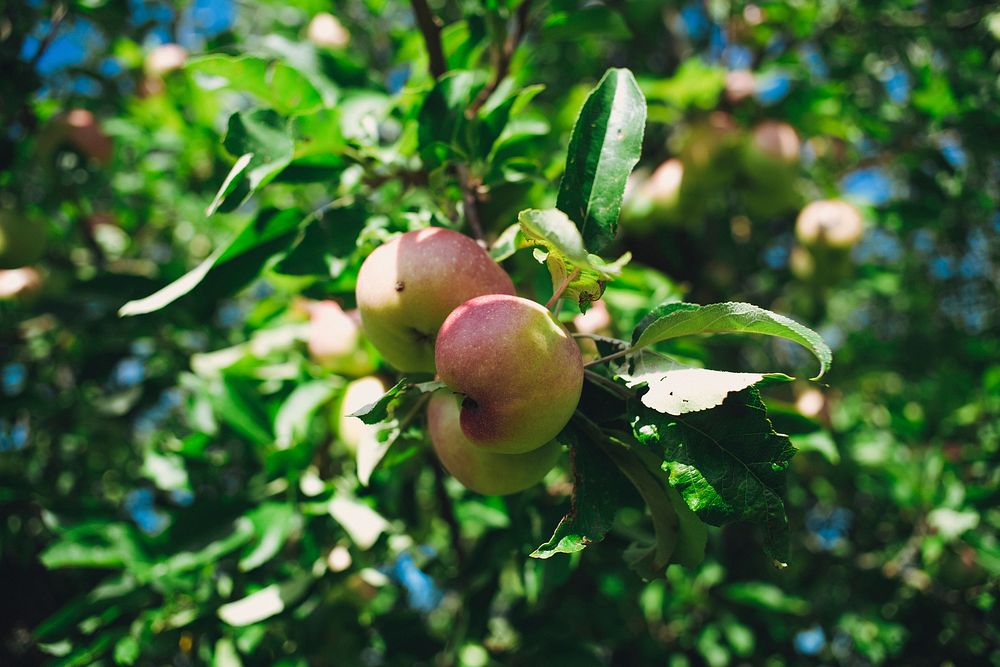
x: 164, y: 59
x: 335, y: 341
x: 477, y: 469
x: 829, y: 223
x: 407, y: 287
x: 357, y: 394
x: 79, y: 129
x: 520, y: 371
x: 21, y: 242
x: 22, y: 283
x: 326, y: 31
x: 740, y: 84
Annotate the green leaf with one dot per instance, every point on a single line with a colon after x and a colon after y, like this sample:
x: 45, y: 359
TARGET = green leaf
x: 359, y: 521
x: 265, y: 603
x: 330, y: 238
x: 234, y: 401
x: 553, y: 233
x: 291, y: 424
x: 695, y: 84
x: 765, y: 596
x: 444, y: 131
x: 379, y: 411
x: 273, y: 523
x: 96, y: 544
x: 672, y: 320
x: 271, y: 81
x: 206, y: 551
x: 727, y: 462
x: 598, y: 490
x: 231, y: 267
x: 676, y: 389
x: 606, y: 143
x: 266, y: 137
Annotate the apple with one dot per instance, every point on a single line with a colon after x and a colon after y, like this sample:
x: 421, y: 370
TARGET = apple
x: 519, y: 369
x: 326, y: 31
x: 740, y: 84
x: 334, y: 340
x: 357, y: 394
x: 21, y: 242
x: 648, y: 200
x: 22, y: 283
x: 477, y: 469
x: 81, y: 130
x: 710, y: 152
x: 407, y: 287
x: 829, y: 223
x: 164, y: 59
x: 769, y: 164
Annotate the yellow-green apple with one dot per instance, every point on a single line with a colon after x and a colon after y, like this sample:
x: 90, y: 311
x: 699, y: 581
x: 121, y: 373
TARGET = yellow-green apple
x: 477, y: 469
x: 653, y: 199
x: 326, y: 31
x: 829, y: 223
x: 335, y: 341
x: 518, y: 368
x: 21, y: 242
x: 357, y: 394
x: 407, y: 287
x: 770, y: 161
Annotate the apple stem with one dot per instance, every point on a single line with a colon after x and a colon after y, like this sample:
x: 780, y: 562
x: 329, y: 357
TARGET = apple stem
x: 562, y: 288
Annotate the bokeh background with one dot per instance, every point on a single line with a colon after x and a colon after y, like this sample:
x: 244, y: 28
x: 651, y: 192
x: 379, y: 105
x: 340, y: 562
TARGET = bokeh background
x: 179, y: 488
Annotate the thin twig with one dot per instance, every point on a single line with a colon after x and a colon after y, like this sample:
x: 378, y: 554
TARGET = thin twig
x: 470, y: 201
x: 448, y: 514
x: 503, y: 60
x: 615, y: 355
x: 431, y: 32
x: 58, y: 14
x: 562, y: 288
x: 610, y: 386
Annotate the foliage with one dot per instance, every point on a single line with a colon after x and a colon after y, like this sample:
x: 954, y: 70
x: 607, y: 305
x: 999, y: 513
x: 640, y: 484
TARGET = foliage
x: 178, y: 480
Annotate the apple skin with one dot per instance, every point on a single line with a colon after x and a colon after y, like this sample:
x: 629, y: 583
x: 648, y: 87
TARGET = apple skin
x: 21, y: 242
x: 80, y: 129
x: 357, y: 394
x: 327, y: 31
x: 829, y: 223
x: 479, y: 470
x: 519, y: 368
x: 407, y: 287
x: 335, y: 341
x: 770, y: 163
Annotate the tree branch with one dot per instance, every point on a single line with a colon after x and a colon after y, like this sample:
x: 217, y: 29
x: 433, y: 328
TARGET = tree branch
x: 502, y: 64
x: 431, y: 32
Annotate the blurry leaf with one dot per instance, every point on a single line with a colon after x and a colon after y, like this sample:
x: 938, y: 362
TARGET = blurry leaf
x: 555, y: 235
x: 205, y: 551
x: 318, y: 134
x: 598, y: 491
x: 727, y: 462
x: 272, y: 522
x: 127, y: 650
x: 96, y: 544
x: 672, y: 320
x: 273, y: 82
x: 765, y: 596
x: 817, y: 441
x: 265, y: 603
x: 677, y: 389
x: 232, y: 266
x: 225, y: 654
x: 951, y: 524
x: 292, y: 423
x: 235, y: 403
x: 605, y: 145
x: 361, y: 522
x: 695, y: 84
x: 509, y: 242
x: 497, y: 111
x: 166, y: 470
x: 443, y: 129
